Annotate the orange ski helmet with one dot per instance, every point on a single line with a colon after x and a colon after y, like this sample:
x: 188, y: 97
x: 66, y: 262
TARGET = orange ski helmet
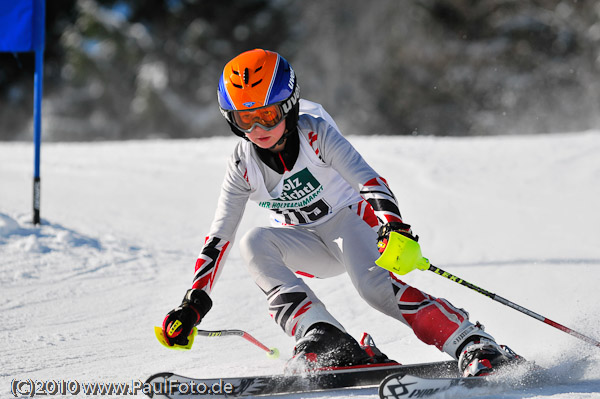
x: 259, y: 87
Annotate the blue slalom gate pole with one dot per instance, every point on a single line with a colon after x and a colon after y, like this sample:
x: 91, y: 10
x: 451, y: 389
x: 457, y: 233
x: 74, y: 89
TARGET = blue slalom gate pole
x: 38, y: 40
x: 23, y: 30
x: 37, y: 132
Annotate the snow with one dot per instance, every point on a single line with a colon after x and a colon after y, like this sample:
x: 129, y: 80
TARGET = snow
x: 123, y: 223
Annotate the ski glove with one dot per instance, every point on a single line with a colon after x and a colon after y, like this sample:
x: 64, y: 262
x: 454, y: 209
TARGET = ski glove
x: 180, y: 321
x: 383, y: 234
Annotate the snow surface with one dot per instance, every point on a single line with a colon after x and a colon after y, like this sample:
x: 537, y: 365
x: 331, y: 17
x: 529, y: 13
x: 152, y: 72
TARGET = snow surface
x: 123, y: 223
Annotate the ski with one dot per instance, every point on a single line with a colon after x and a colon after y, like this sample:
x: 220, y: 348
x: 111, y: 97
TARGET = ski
x: 404, y: 385
x: 170, y: 385
x: 398, y: 386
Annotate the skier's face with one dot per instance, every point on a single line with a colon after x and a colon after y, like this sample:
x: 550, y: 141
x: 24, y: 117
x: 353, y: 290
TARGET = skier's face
x: 266, y: 138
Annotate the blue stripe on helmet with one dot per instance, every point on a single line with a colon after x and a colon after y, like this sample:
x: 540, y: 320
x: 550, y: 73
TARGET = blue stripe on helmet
x: 224, y: 98
x: 280, y: 84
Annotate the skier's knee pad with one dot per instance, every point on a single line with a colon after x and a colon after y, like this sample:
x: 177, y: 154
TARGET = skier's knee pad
x: 249, y: 241
x: 253, y: 241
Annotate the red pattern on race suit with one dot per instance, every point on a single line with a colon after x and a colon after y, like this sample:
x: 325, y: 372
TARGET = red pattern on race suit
x: 378, y: 194
x: 433, y: 320
x: 209, y: 262
x: 365, y: 211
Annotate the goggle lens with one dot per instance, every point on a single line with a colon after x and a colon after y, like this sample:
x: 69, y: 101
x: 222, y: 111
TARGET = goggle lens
x: 268, y: 117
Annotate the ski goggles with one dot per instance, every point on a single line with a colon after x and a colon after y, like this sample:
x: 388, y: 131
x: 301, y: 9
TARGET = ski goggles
x: 266, y: 117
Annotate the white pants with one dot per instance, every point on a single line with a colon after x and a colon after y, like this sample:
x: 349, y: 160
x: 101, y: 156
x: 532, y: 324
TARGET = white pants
x: 345, y: 243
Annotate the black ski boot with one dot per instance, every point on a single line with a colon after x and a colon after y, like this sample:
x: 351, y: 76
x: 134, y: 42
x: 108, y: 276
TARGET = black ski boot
x: 326, y: 346
x: 483, y: 357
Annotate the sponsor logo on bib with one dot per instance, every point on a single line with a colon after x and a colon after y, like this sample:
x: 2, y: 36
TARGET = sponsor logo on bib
x: 298, y: 190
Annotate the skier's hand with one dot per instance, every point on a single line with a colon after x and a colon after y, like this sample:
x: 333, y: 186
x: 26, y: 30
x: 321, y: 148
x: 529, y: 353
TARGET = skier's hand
x: 179, y: 322
x: 383, y: 234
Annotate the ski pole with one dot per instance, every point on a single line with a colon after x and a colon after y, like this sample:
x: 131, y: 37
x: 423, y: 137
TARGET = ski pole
x: 513, y: 305
x: 272, y: 352
x: 403, y: 255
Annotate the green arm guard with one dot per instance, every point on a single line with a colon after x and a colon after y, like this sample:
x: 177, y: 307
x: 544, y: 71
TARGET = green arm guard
x: 402, y: 255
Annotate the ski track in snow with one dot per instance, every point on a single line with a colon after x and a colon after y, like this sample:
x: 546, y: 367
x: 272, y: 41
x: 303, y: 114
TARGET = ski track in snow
x: 123, y: 223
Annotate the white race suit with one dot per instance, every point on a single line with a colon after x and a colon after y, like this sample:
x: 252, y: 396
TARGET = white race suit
x: 325, y: 211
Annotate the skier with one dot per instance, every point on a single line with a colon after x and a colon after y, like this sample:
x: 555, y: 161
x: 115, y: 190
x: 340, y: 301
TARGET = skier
x: 329, y: 209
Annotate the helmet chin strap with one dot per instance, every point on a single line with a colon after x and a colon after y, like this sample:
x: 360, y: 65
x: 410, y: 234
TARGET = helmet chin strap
x: 291, y: 125
x: 284, y: 136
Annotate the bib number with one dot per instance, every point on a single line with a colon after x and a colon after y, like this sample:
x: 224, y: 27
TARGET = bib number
x: 308, y: 214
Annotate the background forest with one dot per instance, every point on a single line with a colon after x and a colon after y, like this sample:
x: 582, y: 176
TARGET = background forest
x: 130, y: 69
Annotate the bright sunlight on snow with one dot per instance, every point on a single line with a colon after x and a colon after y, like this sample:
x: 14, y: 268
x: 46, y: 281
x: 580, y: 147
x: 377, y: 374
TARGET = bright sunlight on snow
x: 123, y: 223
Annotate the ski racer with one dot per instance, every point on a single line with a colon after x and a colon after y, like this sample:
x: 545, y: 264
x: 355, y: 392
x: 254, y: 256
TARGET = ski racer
x: 326, y: 202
